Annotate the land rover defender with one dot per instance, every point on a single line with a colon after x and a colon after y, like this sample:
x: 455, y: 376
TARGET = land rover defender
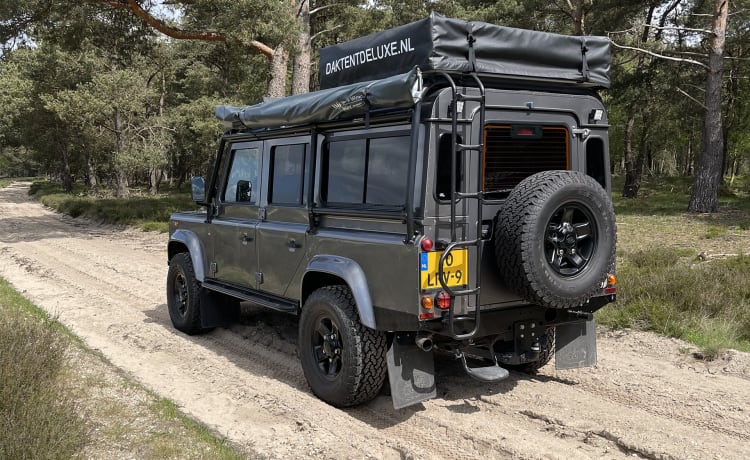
x: 447, y: 190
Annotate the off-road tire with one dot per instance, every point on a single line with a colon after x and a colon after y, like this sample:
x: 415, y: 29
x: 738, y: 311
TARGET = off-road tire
x: 546, y: 352
x: 554, y: 211
x: 354, y: 374
x: 183, y: 295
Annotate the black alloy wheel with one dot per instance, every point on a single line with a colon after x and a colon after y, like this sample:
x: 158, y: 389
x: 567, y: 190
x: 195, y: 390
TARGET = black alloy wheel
x: 571, y: 239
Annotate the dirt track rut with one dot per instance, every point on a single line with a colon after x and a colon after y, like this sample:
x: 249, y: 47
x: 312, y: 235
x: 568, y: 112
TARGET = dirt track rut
x: 646, y: 398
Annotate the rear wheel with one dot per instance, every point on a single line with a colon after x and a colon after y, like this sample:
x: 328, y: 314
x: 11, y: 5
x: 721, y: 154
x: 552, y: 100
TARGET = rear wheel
x: 343, y: 361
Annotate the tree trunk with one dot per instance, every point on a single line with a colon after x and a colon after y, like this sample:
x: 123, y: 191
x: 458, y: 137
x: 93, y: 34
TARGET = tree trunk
x: 301, y: 67
x: 122, y: 178
x: 155, y: 177
x: 705, y: 196
x: 277, y: 83
x: 162, y: 94
x: 632, y: 175
x: 66, y: 176
x: 93, y: 181
x: 580, y: 18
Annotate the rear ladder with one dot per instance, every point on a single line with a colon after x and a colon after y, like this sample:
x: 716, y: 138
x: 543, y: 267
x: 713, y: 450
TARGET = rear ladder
x: 493, y: 372
x: 457, y: 198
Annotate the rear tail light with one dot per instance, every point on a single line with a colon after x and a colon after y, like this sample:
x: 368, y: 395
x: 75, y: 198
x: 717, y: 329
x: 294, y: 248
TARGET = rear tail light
x: 427, y: 244
x: 443, y: 300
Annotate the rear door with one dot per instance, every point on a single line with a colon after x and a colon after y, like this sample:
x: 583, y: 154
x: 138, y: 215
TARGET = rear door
x: 282, y: 234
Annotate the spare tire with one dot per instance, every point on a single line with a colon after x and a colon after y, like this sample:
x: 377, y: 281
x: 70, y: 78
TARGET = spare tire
x: 555, y: 238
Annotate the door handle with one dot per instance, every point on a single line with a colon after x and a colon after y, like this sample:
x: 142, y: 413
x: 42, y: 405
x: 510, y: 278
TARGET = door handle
x: 293, y: 244
x: 246, y: 238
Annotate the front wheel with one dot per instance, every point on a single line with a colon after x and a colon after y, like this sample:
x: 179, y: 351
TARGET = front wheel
x: 343, y: 361
x: 183, y: 295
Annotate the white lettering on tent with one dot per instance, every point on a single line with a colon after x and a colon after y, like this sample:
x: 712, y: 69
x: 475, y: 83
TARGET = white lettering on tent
x: 406, y: 45
x: 373, y: 54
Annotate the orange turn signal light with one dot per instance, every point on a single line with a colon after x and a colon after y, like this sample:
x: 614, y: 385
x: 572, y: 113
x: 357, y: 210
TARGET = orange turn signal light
x: 611, y: 280
x: 427, y: 302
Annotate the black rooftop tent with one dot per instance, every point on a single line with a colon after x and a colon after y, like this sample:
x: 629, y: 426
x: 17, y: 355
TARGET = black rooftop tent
x: 453, y: 45
x: 384, y: 70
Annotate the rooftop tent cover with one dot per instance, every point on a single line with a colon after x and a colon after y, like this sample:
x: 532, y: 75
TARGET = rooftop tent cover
x: 401, y: 90
x: 440, y: 43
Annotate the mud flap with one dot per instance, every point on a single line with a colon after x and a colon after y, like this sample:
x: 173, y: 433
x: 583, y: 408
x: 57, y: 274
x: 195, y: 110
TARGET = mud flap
x: 575, y: 345
x: 411, y: 372
x: 218, y: 309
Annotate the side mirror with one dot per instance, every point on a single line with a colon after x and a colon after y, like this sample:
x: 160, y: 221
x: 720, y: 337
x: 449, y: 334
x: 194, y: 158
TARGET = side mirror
x: 244, y: 189
x: 198, y: 189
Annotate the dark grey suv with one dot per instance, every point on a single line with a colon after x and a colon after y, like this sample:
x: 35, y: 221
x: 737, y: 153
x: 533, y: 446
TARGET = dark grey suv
x: 446, y: 191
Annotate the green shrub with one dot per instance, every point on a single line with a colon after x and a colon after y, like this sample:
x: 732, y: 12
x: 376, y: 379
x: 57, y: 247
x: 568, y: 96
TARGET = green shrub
x: 715, y: 232
x: 656, y: 258
x: 38, y: 418
x: 707, y: 303
x: 147, y: 212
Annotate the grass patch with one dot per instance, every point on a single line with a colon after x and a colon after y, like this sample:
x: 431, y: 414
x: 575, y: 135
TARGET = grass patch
x: 715, y: 232
x: 148, y: 212
x: 38, y: 415
x: 61, y: 400
x: 217, y: 448
x: 707, y: 303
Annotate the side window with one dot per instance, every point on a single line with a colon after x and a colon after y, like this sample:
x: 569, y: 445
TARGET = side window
x: 287, y: 174
x: 242, y: 182
x: 595, y: 160
x: 387, y: 168
x: 443, y: 180
x: 345, y: 178
x: 366, y: 171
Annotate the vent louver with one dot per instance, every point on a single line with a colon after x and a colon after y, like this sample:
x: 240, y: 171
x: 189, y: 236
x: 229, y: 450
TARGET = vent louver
x: 509, y: 159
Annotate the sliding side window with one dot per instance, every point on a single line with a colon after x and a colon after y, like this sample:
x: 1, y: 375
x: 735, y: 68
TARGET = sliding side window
x: 366, y: 172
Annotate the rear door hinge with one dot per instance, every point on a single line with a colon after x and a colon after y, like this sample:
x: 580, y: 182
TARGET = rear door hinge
x: 259, y: 277
x: 582, y: 132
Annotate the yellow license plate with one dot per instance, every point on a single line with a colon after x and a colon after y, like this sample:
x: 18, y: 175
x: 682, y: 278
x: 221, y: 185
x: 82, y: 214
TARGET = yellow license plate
x: 455, y: 268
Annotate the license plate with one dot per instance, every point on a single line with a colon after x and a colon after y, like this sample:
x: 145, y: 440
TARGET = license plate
x: 455, y: 272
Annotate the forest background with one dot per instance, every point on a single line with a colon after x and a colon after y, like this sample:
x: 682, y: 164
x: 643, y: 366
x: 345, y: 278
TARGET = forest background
x: 116, y: 93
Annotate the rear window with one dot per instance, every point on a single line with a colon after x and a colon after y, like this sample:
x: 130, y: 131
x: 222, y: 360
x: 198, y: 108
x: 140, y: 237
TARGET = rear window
x: 366, y: 171
x: 287, y: 174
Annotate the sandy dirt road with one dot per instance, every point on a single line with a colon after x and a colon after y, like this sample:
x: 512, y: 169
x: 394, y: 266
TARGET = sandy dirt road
x: 646, y: 398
